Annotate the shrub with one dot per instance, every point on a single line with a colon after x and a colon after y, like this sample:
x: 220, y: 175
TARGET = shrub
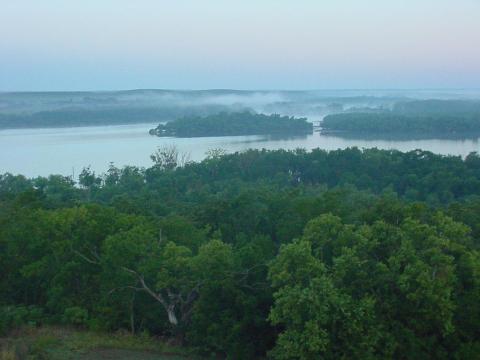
x: 12, y: 317
x: 75, y: 316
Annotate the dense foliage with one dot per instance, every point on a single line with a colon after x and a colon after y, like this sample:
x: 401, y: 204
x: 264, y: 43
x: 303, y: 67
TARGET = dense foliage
x: 225, y: 124
x: 288, y: 254
x: 428, y: 116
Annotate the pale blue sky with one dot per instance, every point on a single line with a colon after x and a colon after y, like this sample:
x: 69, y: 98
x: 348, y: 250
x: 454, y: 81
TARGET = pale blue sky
x: 245, y: 44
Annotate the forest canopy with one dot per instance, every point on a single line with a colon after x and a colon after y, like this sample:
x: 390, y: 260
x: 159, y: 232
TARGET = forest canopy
x: 285, y: 254
x: 232, y: 124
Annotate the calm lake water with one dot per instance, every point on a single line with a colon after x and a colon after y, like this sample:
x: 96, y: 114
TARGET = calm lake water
x: 34, y: 152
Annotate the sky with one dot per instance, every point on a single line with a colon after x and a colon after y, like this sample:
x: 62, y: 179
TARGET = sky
x: 55, y: 45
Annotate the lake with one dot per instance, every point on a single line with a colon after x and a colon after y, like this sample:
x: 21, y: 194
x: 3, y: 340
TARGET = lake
x: 41, y: 152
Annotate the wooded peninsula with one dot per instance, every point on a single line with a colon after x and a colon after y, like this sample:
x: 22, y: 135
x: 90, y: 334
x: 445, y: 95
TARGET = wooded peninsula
x: 419, y: 117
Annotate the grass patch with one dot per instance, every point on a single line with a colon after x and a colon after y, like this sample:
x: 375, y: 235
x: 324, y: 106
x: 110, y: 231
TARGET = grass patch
x: 66, y: 343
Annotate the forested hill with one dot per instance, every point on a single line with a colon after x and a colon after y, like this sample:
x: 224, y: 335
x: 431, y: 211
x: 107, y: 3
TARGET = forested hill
x: 287, y: 254
x: 428, y: 116
x: 435, y: 106
x: 227, y: 124
x: 75, y: 117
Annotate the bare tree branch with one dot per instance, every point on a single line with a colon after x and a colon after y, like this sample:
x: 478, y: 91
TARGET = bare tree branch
x: 156, y: 296
x: 95, y: 262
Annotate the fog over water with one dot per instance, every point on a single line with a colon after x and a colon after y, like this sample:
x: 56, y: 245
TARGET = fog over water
x: 41, y: 152
x: 47, y: 133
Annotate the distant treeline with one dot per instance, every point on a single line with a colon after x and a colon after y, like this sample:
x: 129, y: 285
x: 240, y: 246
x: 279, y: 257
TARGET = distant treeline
x: 226, y: 124
x: 438, y: 107
x: 426, y: 116
x: 91, y: 117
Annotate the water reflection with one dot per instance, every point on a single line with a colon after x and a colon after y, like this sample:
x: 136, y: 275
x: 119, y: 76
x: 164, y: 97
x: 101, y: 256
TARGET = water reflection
x: 276, y: 137
x: 475, y: 136
x: 36, y: 152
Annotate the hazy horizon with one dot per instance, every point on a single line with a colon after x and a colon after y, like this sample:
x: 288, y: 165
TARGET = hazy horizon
x: 106, y: 90
x: 119, y: 45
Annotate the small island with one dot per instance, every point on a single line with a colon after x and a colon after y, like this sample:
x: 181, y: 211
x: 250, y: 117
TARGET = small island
x: 233, y: 124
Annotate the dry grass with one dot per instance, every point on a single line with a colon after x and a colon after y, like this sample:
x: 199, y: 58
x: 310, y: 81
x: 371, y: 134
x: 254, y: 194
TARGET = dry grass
x: 8, y: 354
